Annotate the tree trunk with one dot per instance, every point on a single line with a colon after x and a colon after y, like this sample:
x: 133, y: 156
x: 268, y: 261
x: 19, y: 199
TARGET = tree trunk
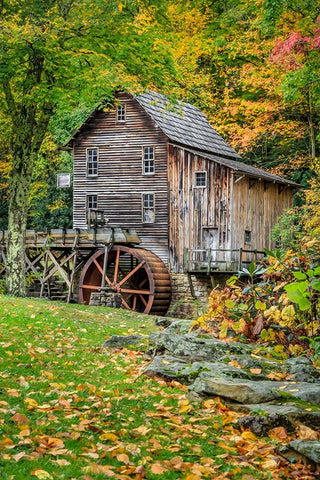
x: 19, y: 185
x: 18, y: 208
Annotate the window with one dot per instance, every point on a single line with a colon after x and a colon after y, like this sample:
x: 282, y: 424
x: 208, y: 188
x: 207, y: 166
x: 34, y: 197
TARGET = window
x: 92, y: 204
x: 92, y: 162
x: 121, y: 113
x: 148, y: 208
x: 200, y: 179
x: 247, y: 236
x: 148, y: 160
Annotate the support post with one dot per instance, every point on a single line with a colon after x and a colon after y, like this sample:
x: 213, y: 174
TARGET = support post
x: 240, y: 259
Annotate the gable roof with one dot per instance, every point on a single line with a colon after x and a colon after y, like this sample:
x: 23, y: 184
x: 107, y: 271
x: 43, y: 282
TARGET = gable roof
x: 184, y: 124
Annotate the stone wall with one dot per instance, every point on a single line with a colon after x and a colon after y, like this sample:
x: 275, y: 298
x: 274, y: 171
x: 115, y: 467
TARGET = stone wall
x: 184, y: 304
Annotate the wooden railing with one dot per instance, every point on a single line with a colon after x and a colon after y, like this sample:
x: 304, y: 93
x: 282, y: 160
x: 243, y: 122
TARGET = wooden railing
x: 212, y: 260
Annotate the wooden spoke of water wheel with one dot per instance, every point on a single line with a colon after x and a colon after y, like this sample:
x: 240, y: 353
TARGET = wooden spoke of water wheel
x: 138, y: 275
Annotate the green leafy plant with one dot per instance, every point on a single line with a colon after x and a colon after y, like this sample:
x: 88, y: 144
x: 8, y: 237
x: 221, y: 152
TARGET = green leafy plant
x: 277, y: 303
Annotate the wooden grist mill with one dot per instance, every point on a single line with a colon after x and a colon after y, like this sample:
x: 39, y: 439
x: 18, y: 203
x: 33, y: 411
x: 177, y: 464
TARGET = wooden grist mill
x: 99, y: 266
x: 184, y: 211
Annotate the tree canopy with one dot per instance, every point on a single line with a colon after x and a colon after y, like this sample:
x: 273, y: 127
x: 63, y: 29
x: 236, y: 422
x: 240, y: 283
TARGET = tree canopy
x: 252, y: 66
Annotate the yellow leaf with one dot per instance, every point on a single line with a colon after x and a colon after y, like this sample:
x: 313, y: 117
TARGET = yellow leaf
x: 166, y: 362
x: 269, y: 465
x: 255, y: 370
x: 31, y: 404
x: 247, y: 435
x: 109, y: 436
x: 41, y: 474
x: 7, y: 443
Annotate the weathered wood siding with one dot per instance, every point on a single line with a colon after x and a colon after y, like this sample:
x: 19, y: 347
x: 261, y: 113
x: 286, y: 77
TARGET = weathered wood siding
x: 199, y: 217
x: 120, y: 181
x: 256, y: 206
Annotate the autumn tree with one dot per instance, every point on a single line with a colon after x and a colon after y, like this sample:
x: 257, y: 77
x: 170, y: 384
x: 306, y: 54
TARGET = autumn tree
x: 53, y: 54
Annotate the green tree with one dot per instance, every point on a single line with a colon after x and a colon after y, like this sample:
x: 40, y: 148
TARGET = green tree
x: 53, y: 54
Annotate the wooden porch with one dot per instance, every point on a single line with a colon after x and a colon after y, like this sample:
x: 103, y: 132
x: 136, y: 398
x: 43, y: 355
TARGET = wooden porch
x: 212, y: 260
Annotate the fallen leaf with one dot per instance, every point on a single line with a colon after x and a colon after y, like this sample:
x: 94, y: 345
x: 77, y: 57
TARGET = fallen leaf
x: 247, y: 435
x: 278, y: 433
x: 255, y: 370
x: 109, y: 436
x: 123, y: 458
x: 18, y: 456
x: 307, y: 433
x: 269, y: 464
x: 41, y: 474
x: 158, y: 469
x: 20, y: 419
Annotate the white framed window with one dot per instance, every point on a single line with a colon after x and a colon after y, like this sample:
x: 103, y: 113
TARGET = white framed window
x: 92, y: 204
x: 148, y: 208
x: 121, y: 113
x: 148, y: 160
x: 92, y: 162
x: 200, y: 179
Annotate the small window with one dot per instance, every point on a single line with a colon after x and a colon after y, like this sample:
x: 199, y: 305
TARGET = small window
x: 148, y: 208
x: 247, y: 236
x: 92, y: 162
x: 92, y: 204
x: 201, y: 179
x: 148, y: 160
x: 121, y: 113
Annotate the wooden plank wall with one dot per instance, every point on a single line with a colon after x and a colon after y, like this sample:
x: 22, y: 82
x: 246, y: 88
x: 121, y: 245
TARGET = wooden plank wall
x: 192, y: 209
x: 120, y: 181
x: 256, y: 206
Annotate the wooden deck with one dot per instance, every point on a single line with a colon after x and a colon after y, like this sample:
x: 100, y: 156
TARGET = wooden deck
x: 212, y: 261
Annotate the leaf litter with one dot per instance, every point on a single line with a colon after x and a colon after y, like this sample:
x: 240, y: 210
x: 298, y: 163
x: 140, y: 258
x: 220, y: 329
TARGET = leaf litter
x: 70, y: 409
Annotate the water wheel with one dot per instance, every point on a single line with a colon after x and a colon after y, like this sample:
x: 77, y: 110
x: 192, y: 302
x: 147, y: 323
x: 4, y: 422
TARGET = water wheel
x: 138, y: 275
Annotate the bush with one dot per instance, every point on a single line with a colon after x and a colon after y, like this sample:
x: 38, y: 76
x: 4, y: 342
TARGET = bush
x: 277, y: 303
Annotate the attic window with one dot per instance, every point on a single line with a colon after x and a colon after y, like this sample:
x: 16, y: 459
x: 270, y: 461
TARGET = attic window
x: 148, y: 160
x: 121, y: 113
x: 92, y: 162
x: 148, y: 208
x: 200, y: 179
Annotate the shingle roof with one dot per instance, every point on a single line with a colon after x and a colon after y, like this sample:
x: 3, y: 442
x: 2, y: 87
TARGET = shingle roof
x: 244, y: 169
x: 185, y: 124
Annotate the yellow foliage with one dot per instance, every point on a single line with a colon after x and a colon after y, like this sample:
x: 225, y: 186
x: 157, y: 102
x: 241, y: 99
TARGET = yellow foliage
x: 288, y: 316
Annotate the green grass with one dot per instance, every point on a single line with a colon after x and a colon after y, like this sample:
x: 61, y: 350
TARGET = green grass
x: 72, y: 410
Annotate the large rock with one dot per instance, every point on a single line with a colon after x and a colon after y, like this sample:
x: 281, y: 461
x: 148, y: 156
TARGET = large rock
x: 307, y: 450
x: 119, y: 341
x: 193, y: 347
x: 172, y: 368
x: 247, y: 391
x: 289, y: 412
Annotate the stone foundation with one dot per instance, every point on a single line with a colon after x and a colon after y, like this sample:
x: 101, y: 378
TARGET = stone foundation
x: 186, y: 303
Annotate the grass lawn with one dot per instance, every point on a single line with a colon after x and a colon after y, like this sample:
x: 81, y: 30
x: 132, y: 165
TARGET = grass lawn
x: 72, y: 410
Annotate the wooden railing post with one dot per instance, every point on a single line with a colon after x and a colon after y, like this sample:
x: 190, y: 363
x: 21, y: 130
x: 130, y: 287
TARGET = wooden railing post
x: 240, y: 259
x: 209, y: 256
